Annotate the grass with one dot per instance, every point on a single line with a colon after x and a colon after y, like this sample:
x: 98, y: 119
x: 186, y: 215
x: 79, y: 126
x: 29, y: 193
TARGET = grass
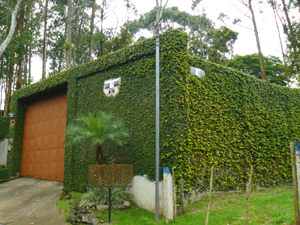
x: 267, y: 206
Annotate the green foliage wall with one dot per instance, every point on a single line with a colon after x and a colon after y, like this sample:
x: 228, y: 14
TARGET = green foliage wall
x: 135, y: 104
x: 227, y: 119
x: 4, y: 127
x: 4, y: 174
x: 235, y: 120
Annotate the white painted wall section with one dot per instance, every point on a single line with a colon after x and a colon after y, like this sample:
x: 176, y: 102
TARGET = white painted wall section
x: 143, y: 194
x: 3, y: 152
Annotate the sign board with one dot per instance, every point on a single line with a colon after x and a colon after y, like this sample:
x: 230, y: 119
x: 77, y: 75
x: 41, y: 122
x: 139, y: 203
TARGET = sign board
x: 197, y: 71
x: 297, y: 147
x: 111, y: 87
x: 110, y: 175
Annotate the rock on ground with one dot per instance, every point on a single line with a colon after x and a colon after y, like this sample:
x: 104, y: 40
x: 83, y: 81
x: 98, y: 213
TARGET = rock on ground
x: 95, y: 221
x: 71, y: 217
x: 100, y: 208
x: 86, y: 218
x: 68, y: 196
x: 118, y: 206
x: 127, y: 204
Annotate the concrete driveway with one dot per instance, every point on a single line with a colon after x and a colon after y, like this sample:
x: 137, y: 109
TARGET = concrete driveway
x: 30, y: 201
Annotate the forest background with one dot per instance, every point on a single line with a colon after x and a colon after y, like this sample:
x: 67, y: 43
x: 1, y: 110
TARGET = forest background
x: 53, y: 35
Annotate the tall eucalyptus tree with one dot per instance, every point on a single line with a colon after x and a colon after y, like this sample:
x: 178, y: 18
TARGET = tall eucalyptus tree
x: 8, y: 38
x: 205, y: 40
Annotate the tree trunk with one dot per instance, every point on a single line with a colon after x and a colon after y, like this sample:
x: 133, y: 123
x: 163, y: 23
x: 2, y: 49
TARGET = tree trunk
x: 26, y: 66
x: 19, y: 79
x: 92, y: 31
x: 282, y: 52
x: 2, y: 85
x: 290, y: 34
x: 262, y: 67
x: 101, y: 29
x: 75, y: 26
x: 69, y: 36
x: 101, y: 39
x: 11, y: 73
x: 30, y: 59
x: 78, y: 41
x: 59, y: 66
x: 4, y: 45
x: 21, y: 53
x: 28, y: 78
x: 100, y: 155
x: 6, y: 85
x: 44, y: 41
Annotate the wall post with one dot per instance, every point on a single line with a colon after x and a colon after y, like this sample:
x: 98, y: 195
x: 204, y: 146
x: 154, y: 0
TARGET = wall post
x: 168, y: 195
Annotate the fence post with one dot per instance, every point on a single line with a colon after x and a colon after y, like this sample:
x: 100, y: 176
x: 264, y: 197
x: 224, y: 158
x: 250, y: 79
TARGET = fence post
x: 248, y: 189
x: 174, y: 194
x: 182, y: 195
x: 297, y: 153
x: 210, y: 189
x: 294, y: 184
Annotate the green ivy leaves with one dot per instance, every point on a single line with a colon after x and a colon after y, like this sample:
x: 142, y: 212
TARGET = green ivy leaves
x: 227, y: 119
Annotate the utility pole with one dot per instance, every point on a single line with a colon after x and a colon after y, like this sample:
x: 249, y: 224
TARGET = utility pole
x: 159, y: 11
x: 157, y: 130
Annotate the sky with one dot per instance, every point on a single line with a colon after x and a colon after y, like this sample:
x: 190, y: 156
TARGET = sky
x: 245, y: 43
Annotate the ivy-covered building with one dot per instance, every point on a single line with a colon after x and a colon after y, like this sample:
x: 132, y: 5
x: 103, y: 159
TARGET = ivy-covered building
x: 226, y: 118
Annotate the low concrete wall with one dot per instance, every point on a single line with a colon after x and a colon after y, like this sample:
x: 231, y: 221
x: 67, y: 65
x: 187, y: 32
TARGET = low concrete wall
x: 143, y: 194
x: 3, y: 152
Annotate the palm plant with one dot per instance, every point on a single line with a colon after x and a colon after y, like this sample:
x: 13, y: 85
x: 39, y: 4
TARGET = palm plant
x: 97, y: 130
x: 100, y: 196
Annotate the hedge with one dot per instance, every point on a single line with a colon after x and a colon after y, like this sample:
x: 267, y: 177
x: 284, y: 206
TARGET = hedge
x: 227, y: 118
x: 4, y: 127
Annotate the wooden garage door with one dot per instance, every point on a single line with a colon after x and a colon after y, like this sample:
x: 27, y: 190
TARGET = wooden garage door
x: 44, y: 131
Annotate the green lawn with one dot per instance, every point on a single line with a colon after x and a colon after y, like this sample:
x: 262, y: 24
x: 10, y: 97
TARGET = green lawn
x: 269, y: 206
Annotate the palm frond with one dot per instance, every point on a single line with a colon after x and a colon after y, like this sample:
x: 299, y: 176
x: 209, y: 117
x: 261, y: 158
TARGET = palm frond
x: 98, y: 130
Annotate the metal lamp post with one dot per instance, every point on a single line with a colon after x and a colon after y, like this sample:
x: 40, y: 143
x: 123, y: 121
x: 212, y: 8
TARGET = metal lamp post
x: 159, y: 11
x: 157, y: 130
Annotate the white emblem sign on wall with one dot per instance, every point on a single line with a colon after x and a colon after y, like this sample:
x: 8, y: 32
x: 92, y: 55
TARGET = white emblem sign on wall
x: 111, y: 86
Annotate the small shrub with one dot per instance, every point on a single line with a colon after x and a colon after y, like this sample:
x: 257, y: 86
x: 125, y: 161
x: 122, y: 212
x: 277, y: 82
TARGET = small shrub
x: 4, y: 174
x: 100, y: 196
x: 65, y: 191
x: 4, y: 125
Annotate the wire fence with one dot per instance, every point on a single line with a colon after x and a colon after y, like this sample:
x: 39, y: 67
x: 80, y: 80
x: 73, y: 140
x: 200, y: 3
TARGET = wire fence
x: 111, y: 175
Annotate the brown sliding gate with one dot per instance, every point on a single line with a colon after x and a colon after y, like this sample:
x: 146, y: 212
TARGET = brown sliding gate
x: 44, y: 132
